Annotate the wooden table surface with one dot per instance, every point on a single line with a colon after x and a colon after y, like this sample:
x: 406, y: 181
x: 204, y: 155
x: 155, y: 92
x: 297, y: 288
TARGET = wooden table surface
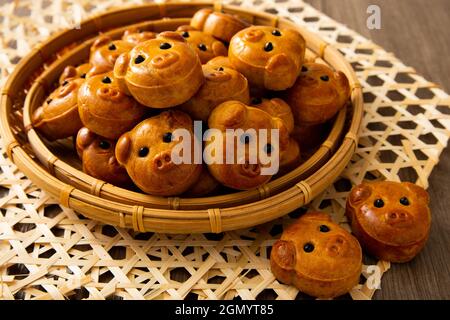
x: 418, y: 33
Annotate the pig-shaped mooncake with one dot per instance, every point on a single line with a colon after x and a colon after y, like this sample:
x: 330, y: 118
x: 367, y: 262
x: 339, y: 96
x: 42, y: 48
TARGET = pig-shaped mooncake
x: 105, y: 109
x: 98, y: 159
x: 391, y: 219
x: 317, y: 256
x: 242, y: 172
x: 58, y: 117
x: 147, y: 150
x: 268, y: 57
x: 160, y: 73
x: 318, y: 94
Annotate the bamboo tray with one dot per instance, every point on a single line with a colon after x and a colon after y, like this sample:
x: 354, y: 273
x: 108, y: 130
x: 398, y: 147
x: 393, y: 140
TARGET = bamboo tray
x: 101, y: 201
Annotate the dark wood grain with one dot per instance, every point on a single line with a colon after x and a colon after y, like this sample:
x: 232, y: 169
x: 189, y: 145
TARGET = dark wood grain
x: 418, y: 33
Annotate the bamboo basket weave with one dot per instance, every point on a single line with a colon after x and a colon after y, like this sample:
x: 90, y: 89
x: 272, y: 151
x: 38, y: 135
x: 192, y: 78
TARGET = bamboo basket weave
x: 107, y: 203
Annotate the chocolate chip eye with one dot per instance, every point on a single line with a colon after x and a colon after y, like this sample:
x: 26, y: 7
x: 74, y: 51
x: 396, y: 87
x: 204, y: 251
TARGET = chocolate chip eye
x: 308, y: 247
x: 112, y: 47
x: 106, y: 80
x: 324, y: 78
x: 256, y: 100
x: 324, y: 228
x: 139, y: 59
x: 220, y: 69
x: 49, y: 101
x: 143, y: 152
x: 268, y: 46
x: 245, y: 138
x: 268, y: 148
x: 276, y: 33
x: 165, y: 46
x: 167, y: 137
x: 104, y: 145
x: 202, y: 47
x: 185, y: 34
x: 404, y: 201
x: 379, y: 203
x: 304, y: 69
x: 65, y: 83
x: 83, y: 76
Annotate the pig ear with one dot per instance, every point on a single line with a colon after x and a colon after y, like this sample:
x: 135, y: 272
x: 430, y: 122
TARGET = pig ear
x: 343, y: 84
x: 172, y: 35
x: 283, y: 133
x: 219, y: 49
x: 420, y: 192
x: 175, y: 118
x: 69, y: 72
x: 233, y: 115
x: 84, y: 138
x: 123, y: 148
x: 318, y: 216
x: 359, y: 194
x: 278, y: 67
x: 96, y: 70
x: 120, y: 70
x: 37, y: 118
x: 100, y: 41
x: 186, y: 27
x: 283, y: 254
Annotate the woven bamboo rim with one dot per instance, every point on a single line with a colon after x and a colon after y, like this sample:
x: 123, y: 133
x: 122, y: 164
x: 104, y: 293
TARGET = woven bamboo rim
x: 142, y: 218
x: 64, y: 171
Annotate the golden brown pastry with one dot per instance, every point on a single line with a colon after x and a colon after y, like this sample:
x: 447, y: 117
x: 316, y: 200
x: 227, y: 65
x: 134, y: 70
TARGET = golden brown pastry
x: 160, y: 73
x: 206, y: 46
x: 220, y: 61
x: 204, y: 186
x: 269, y: 57
x: 276, y: 107
x: 99, y: 161
x: 136, y: 36
x: 222, y: 84
x: 317, y: 256
x: 318, y: 94
x: 147, y: 154
x: 390, y: 219
x: 71, y: 72
x: 58, y: 117
x: 104, y: 53
x: 220, y: 25
x: 105, y: 109
x: 243, y: 172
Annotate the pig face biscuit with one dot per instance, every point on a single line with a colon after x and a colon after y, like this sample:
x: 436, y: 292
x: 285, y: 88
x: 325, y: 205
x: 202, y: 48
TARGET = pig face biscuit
x: 104, y: 53
x: 317, y: 256
x: 105, y: 109
x: 71, y: 72
x: 318, y: 94
x: 146, y: 153
x: 58, y: 117
x: 276, y: 107
x: 244, y: 173
x: 222, y: 84
x: 160, y: 73
x: 269, y: 57
x: 206, y: 46
x: 391, y: 219
x: 99, y: 161
x: 220, y: 25
x: 136, y: 36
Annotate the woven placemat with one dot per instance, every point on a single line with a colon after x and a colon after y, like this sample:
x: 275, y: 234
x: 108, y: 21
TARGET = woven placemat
x: 49, y: 252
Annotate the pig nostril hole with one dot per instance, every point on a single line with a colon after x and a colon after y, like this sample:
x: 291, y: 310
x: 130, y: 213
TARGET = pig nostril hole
x: 105, y: 90
x: 340, y: 241
x: 393, y: 215
x: 167, y: 158
x: 402, y: 215
x: 159, y: 163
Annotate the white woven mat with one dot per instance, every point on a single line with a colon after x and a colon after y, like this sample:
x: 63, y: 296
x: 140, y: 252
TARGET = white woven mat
x: 50, y: 252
